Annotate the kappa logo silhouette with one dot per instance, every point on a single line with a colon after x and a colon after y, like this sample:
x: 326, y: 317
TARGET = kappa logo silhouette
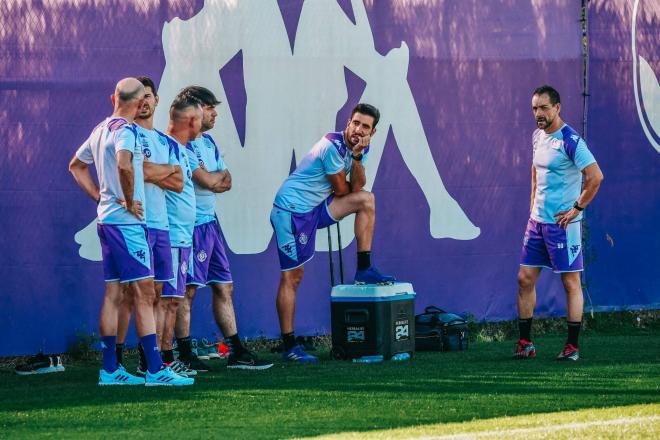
x: 646, y: 88
x: 281, y: 85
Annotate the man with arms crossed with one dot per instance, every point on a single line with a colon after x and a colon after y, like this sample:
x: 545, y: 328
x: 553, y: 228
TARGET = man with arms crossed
x: 112, y: 147
x: 185, y: 125
x: 317, y: 195
x: 210, y: 265
x: 553, y: 238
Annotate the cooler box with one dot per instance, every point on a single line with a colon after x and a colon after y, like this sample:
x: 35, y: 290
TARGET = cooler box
x: 371, y: 320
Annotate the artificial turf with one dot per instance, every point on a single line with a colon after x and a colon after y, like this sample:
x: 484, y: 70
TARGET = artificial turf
x: 335, y: 397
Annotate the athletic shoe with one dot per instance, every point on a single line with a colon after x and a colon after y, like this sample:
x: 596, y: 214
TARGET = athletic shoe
x: 38, y: 364
x: 297, y: 354
x: 371, y: 275
x: 570, y: 353
x: 141, y: 369
x: 524, y: 350
x: 194, y: 363
x: 57, y: 363
x: 211, y: 349
x: 199, y: 350
x: 181, y: 369
x: 119, y: 377
x: 166, y: 377
x: 247, y: 361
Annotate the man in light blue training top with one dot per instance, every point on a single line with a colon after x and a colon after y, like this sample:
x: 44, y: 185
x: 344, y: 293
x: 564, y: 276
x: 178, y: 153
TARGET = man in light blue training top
x: 185, y: 125
x: 210, y: 265
x: 317, y: 195
x: 113, y: 149
x: 553, y: 238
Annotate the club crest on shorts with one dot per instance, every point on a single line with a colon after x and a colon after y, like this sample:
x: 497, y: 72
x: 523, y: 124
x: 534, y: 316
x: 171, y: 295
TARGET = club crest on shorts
x: 201, y: 256
x: 302, y: 238
x: 184, y: 266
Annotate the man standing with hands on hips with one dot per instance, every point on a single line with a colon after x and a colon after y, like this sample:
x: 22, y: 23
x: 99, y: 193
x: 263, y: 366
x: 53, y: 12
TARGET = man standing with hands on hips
x: 553, y: 238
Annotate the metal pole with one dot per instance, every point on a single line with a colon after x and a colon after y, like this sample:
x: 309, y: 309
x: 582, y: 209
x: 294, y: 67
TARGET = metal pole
x: 341, y: 259
x: 332, y: 266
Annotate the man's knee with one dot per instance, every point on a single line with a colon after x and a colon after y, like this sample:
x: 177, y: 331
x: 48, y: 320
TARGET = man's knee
x: 572, y: 284
x: 526, y: 282
x: 223, y: 291
x: 143, y: 291
x: 292, y: 278
x: 367, y: 201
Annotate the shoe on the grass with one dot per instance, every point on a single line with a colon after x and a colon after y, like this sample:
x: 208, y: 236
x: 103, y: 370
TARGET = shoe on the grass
x: 118, y: 377
x: 298, y: 354
x: 247, y: 361
x: 181, y: 369
x: 57, y: 363
x: 168, y: 378
x: 193, y: 363
x: 371, y: 275
x: 569, y: 353
x: 524, y: 350
x: 211, y: 349
x: 37, y: 364
x: 141, y: 370
x: 199, y: 350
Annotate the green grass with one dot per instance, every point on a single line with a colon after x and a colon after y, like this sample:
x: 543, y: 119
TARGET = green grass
x: 337, y: 397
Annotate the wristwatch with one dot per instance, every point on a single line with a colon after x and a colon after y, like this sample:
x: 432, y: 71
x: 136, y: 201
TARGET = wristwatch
x: 358, y: 157
x: 578, y: 207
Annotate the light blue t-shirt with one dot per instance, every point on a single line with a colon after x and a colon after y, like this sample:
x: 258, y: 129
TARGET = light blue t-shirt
x: 559, y: 159
x: 181, y: 206
x: 107, y: 139
x: 156, y: 149
x: 308, y: 186
x: 205, y: 154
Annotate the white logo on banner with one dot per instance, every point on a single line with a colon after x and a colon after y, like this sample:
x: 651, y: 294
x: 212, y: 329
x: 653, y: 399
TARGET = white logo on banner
x: 647, y: 90
x: 292, y: 101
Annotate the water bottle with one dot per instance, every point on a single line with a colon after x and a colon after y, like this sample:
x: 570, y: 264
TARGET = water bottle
x: 369, y: 359
x: 401, y: 357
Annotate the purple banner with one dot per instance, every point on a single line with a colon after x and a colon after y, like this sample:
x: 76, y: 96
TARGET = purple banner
x: 624, y: 128
x: 450, y: 164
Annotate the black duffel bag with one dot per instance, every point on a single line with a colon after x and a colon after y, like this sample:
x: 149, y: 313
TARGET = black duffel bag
x: 437, y: 330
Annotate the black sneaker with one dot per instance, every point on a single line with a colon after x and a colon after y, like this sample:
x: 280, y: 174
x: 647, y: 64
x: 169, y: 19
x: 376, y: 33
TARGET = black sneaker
x: 247, y: 361
x: 141, y: 370
x: 194, y: 363
x: 40, y: 364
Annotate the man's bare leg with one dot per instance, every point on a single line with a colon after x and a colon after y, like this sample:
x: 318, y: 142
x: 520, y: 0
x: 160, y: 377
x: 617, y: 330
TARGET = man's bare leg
x: 286, y: 297
x: 125, y: 311
x: 363, y: 204
x: 144, y: 296
x: 527, y: 277
x: 182, y: 325
x: 574, y: 305
x: 108, y: 322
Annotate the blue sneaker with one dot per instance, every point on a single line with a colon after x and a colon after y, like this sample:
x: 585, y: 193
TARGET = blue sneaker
x: 297, y: 354
x: 371, y: 275
x: 166, y: 377
x: 119, y: 377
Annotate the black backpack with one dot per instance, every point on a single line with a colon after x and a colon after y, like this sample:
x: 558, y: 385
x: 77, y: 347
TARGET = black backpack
x: 437, y: 330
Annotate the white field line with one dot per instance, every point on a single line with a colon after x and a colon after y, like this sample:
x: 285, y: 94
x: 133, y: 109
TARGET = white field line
x: 507, y: 432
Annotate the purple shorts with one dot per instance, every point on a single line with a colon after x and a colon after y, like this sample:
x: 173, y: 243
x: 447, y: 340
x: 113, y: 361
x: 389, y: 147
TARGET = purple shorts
x: 209, y: 262
x: 125, y: 250
x: 551, y: 246
x: 296, y: 233
x: 181, y: 262
x: 161, y: 254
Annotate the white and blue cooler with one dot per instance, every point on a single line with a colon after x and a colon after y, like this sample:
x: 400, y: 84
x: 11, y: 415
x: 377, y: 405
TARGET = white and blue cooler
x: 372, y: 320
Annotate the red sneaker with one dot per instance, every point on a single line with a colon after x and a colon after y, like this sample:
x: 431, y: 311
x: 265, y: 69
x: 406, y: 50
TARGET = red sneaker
x: 524, y: 350
x: 569, y: 353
